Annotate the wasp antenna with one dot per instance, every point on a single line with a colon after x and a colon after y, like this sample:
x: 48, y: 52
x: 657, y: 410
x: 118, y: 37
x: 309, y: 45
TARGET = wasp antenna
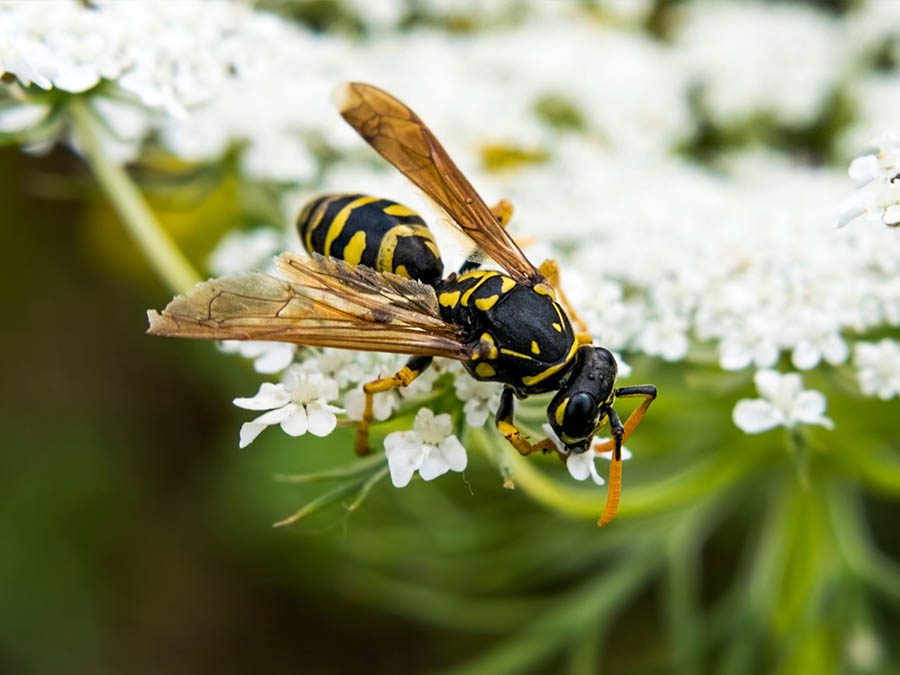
x: 613, y: 492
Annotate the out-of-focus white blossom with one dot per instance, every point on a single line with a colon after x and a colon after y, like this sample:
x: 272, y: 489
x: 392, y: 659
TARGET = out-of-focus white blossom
x: 878, y: 368
x: 430, y: 448
x: 752, y: 58
x: 300, y: 403
x: 268, y: 357
x: 877, y: 177
x: 244, y: 251
x: 784, y: 403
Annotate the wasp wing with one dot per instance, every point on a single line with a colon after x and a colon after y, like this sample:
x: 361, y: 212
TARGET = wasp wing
x: 399, y: 136
x: 321, y: 302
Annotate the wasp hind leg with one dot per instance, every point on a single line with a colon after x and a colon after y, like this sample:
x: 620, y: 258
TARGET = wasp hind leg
x: 550, y: 270
x: 620, y: 434
x: 402, y: 378
x: 510, y: 431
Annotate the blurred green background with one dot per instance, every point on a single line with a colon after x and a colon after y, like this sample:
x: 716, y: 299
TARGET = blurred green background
x: 137, y: 538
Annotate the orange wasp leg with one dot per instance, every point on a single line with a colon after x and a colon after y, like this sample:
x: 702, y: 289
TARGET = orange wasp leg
x: 402, y: 378
x: 621, y: 433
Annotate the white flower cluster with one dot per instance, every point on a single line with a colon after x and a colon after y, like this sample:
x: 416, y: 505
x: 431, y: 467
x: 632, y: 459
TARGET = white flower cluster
x: 877, y: 177
x: 661, y: 257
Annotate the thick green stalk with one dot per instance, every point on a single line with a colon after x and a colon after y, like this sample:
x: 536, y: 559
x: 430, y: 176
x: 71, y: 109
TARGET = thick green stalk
x: 157, y: 246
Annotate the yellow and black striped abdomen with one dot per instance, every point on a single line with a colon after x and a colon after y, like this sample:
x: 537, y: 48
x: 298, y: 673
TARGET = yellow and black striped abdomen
x: 371, y: 231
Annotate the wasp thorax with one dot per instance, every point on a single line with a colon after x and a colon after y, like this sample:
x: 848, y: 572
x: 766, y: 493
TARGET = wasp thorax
x: 579, y: 406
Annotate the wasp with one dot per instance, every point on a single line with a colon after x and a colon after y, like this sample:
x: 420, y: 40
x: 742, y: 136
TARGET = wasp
x: 374, y: 281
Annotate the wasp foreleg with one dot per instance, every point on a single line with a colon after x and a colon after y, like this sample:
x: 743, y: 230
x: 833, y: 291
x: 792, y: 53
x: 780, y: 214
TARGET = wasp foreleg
x: 402, y: 378
x: 510, y: 431
x: 620, y: 434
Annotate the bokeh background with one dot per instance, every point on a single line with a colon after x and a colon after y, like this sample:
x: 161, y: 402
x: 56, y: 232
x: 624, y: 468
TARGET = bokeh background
x: 136, y: 536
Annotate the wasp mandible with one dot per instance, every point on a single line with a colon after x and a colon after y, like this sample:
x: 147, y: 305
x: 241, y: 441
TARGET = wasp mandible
x: 374, y: 281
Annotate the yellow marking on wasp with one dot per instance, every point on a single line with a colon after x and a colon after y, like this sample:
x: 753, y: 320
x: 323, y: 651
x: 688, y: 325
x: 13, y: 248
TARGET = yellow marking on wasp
x: 559, y: 314
x: 565, y: 438
x: 534, y: 347
x: 561, y: 411
x: 317, y: 219
x: 485, y: 370
x: 429, y: 243
x: 507, y: 285
x: 388, y: 245
x: 449, y: 299
x: 401, y: 270
x: 334, y: 229
x: 484, y: 277
x: 492, y: 353
x: 544, y: 289
x: 354, y: 249
x: 511, y: 352
x: 399, y: 210
x: 476, y: 274
x: 484, y: 304
x: 557, y: 327
x: 529, y: 380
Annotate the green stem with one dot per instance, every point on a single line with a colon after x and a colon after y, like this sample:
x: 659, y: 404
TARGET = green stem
x: 160, y: 250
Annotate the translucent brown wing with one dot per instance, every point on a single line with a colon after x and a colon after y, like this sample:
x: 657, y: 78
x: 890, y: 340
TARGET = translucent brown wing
x: 322, y: 302
x: 399, y: 136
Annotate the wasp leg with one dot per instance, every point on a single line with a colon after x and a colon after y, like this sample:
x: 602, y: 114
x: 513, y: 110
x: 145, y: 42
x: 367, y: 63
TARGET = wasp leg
x: 402, y: 378
x: 510, y: 431
x: 503, y: 211
x: 614, y: 491
x: 550, y: 270
x: 621, y: 433
x: 648, y: 393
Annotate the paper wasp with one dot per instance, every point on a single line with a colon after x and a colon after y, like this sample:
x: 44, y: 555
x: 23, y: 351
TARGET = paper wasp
x: 374, y: 281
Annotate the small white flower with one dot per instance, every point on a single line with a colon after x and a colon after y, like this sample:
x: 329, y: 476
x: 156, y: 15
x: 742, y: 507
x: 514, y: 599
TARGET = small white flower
x: 298, y: 404
x: 878, y: 368
x: 481, y: 399
x: 383, y: 403
x: 582, y: 465
x: 785, y: 403
x: 268, y: 357
x: 430, y: 448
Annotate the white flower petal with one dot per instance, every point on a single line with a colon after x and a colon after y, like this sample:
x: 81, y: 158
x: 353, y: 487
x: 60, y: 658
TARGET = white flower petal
x: 434, y: 464
x: 579, y: 466
x: 405, y: 455
x: 269, y: 396
x: 454, y: 453
x: 297, y: 424
x: 249, y: 432
x: 274, y: 360
x: 809, y: 407
x: 321, y: 420
x: 753, y: 416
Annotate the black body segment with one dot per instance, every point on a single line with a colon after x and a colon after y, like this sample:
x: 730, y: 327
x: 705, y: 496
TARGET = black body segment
x: 521, y: 335
x: 378, y: 233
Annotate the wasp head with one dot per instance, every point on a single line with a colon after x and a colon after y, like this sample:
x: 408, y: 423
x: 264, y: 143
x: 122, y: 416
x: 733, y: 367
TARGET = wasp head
x: 579, y: 407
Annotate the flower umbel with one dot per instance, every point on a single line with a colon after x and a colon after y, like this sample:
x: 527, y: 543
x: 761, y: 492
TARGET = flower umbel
x: 300, y: 403
x: 784, y: 403
x: 430, y: 448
